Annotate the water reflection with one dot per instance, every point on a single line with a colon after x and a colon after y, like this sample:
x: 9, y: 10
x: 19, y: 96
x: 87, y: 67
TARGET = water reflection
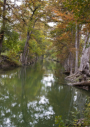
x: 33, y: 96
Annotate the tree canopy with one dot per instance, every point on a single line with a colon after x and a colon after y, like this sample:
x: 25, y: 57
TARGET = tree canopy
x: 25, y: 29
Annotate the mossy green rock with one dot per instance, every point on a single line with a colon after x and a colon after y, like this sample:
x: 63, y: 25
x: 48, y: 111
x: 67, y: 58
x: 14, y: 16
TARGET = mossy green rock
x: 6, y: 62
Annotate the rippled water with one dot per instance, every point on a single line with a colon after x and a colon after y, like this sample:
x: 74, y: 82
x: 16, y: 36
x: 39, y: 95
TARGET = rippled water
x: 33, y: 96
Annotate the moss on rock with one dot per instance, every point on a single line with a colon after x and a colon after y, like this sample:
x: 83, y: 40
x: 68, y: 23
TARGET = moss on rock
x: 6, y: 62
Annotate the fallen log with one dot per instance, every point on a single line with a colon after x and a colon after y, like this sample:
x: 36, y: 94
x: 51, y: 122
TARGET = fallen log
x: 83, y: 83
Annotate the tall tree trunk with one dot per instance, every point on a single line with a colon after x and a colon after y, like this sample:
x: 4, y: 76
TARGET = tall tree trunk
x: 71, y: 55
x: 71, y: 63
x: 3, y: 26
x: 85, y: 54
x: 1, y: 39
x: 86, y: 41
x: 77, y: 48
x: 25, y: 51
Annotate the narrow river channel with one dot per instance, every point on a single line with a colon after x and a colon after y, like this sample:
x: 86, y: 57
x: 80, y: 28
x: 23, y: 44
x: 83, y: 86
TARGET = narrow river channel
x: 32, y: 96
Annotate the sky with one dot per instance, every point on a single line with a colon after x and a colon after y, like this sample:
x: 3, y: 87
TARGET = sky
x: 18, y: 2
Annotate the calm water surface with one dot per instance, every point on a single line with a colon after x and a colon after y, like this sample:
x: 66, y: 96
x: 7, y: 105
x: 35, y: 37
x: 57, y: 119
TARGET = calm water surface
x: 33, y: 96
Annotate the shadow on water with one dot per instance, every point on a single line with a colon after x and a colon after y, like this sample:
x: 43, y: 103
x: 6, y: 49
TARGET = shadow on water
x: 33, y: 96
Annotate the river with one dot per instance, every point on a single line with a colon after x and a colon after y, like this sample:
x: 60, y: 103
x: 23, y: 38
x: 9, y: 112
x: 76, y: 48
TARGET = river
x: 32, y: 96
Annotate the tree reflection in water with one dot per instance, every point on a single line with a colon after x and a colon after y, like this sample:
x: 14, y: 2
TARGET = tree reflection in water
x: 33, y: 96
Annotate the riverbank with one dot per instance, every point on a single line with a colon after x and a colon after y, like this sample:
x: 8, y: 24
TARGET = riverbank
x: 7, y: 63
x: 53, y: 59
x: 79, y: 80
